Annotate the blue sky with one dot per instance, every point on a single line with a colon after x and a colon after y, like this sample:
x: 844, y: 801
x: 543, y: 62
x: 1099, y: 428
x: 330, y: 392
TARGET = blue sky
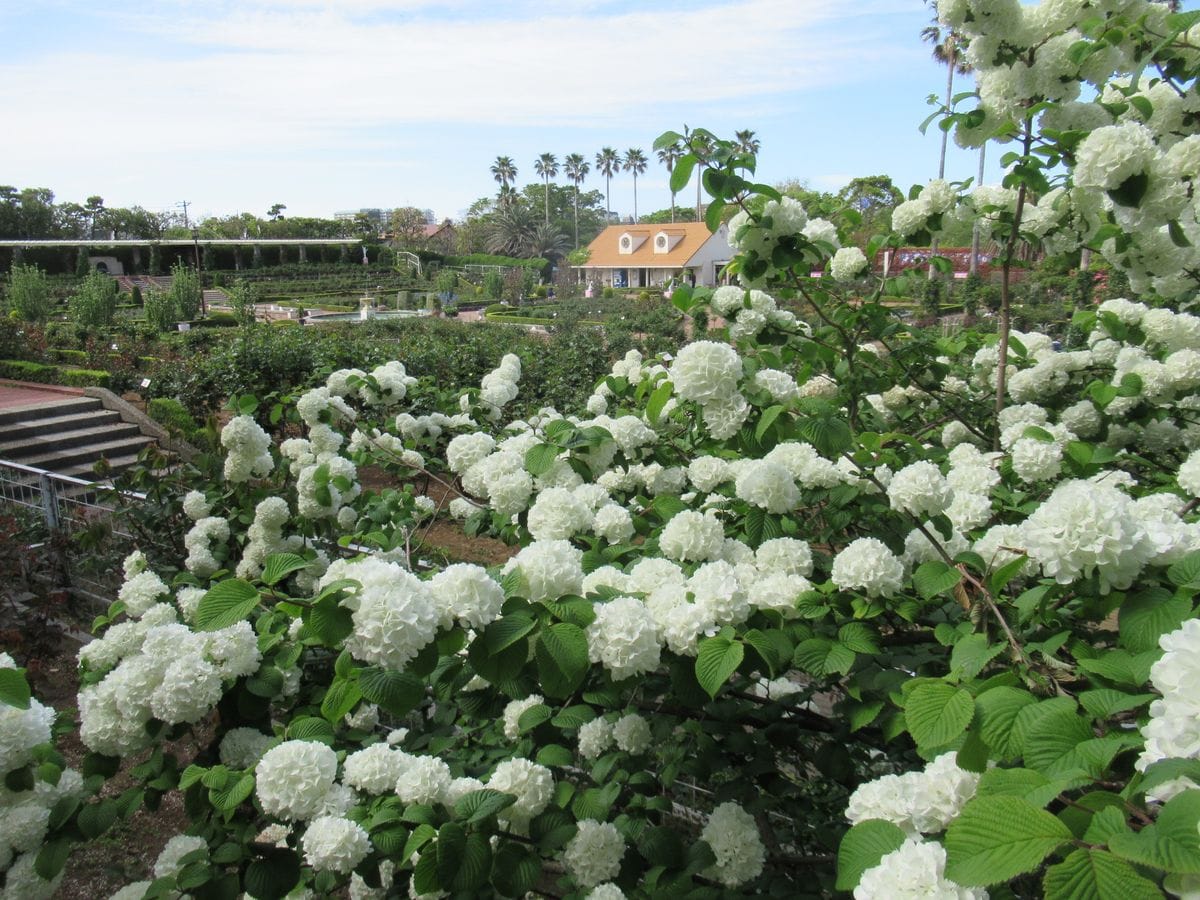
x: 338, y: 104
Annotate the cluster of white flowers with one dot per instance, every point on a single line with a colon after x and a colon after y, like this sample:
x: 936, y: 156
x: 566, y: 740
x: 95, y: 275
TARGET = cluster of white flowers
x: 248, y: 450
x: 335, y: 844
x: 141, y: 591
x: 530, y: 783
x: 735, y: 842
x: 499, y: 387
x: 466, y: 592
x: 924, y: 802
x: 868, y: 565
x: 594, y: 854
x: 632, y: 733
x: 161, y: 670
x: 915, y: 871
x: 624, y: 638
x: 265, y: 536
x: 595, y: 737
x: 1173, y: 731
x: 548, y: 570
x: 394, y: 613
x: 292, y: 779
x: 513, y: 712
x: 169, y: 861
x: 199, y: 542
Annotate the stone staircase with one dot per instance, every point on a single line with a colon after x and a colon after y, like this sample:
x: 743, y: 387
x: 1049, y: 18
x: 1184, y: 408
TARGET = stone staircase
x: 69, y: 437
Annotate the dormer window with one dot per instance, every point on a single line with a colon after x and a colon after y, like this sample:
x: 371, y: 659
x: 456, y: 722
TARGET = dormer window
x: 665, y: 241
x: 628, y: 243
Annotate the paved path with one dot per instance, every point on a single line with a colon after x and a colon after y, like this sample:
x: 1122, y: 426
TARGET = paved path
x: 22, y: 393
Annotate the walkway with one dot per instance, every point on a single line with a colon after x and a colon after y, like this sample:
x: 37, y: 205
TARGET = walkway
x: 22, y: 393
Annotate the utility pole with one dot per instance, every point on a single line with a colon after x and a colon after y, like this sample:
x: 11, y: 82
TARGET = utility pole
x: 183, y: 204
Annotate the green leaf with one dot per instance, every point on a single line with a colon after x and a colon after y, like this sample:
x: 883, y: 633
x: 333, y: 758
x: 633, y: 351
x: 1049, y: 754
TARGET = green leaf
x: 451, y: 845
x: 340, y: 699
x: 1186, y: 572
x: 1171, y: 844
x: 573, y: 716
x: 658, y: 401
x: 829, y: 435
x: 227, y: 603
x: 862, y: 847
x: 937, y: 713
x: 562, y: 659
x: 767, y: 650
x: 397, y: 692
x: 1147, y: 616
x: 229, y: 797
x: 859, y: 637
x: 1131, y: 191
x: 552, y: 829
x: 507, y: 631
x: 1122, y: 667
x: 715, y: 210
x: 822, y: 657
x: 935, y: 577
x: 390, y: 839
x: 310, y: 728
x: 540, y: 459
x: 279, y: 566
x: 555, y: 755
x: 52, y: 858
x: 328, y: 621
x: 997, y: 838
x: 971, y: 654
x: 1096, y: 875
x: 717, y: 659
x: 273, y: 875
x: 1104, y: 702
x: 14, y: 689
x: 1168, y: 770
x: 478, y: 805
x: 533, y: 717
x: 766, y: 420
x: 515, y: 870
x: 96, y: 818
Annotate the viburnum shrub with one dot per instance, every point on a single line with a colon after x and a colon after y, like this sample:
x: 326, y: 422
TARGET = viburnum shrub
x: 818, y: 603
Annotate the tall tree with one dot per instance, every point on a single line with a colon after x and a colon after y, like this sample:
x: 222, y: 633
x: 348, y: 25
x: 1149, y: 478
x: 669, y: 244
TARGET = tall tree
x: 547, y: 167
x: 608, y: 163
x: 746, y: 142
x: 504, y: 170
x: 668, y: 156
x: 275, y: 213
x: 947, y: 51
x: 577, y: 169
x: 95, y: 207
x: 635, y: 162
x: 701, y: 145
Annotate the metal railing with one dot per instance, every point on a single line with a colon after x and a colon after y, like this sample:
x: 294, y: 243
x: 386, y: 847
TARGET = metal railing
x: 66, y: 506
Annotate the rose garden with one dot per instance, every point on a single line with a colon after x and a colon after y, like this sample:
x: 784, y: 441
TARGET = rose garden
x: 819, y: 603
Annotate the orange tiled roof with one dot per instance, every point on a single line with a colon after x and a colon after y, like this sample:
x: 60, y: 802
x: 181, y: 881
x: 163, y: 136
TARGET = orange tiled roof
x: 605, y: 249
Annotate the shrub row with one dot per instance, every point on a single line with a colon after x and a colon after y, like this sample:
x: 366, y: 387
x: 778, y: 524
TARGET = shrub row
x: 23, y: 370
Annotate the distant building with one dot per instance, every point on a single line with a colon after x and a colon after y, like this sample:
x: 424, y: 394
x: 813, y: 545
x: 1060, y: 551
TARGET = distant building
x: 642, y: 256
x: 374, y: 215
x: 441, y: 238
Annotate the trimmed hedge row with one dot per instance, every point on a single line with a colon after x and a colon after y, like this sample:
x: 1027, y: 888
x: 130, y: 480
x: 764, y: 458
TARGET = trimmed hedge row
x: 23, y: 370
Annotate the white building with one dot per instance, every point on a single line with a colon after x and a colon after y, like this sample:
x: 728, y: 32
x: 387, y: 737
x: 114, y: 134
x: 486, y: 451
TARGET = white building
x: 638, y: 256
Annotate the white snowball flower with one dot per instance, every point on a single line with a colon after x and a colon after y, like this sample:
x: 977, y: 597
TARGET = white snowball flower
x: 21, y: 730
x: 1036, y: 460
x: 787, y: 555
x: 293, y: 778
x: 915, y: 871
x: 466, y: 592
x: 920, y: 489
x: 532, y: 784
x: 692, y: 536
x: 334, y: 844
x: 847, y: 264
x: 868, y: 565
x: 594, y: 854
x: 1189, y: 474
x: 924, y: 802
x: 624, y: 638
x: 613, y: 523
x: 632, y: 733
x: 196, y: 506
x: 425, y: 779
x: 735, y: 842
x: 767, y: 485
x: 705, y: 371
x: 513, y: 711
x: 249, y: 450
x: 375, y: 769
x: 167, y: 864
x: 595, y: 737
x: 549, y: 570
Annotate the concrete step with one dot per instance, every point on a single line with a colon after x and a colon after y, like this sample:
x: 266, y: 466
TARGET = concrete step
x: 56, y: 408
x: 32, y: 429
x: 73, y: 460
x: 32, y: 443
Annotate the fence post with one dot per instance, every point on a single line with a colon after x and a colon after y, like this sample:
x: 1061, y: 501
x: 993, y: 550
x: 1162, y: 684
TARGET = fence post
x: 49, y: 502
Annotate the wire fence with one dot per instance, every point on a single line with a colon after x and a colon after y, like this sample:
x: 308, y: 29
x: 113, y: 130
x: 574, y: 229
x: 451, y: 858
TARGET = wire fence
x: 74, y: 513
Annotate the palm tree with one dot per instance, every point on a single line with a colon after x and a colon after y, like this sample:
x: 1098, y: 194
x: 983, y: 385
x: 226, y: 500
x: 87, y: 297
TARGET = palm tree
x: 504, y: 170
x: 702, y: 146
x: 547, y: 167
x: 608, y: 163
x: 668, y: 156
x: 947, y: 47
x: 576, y: 169
x: 635, y: 162
x: 746, y: 142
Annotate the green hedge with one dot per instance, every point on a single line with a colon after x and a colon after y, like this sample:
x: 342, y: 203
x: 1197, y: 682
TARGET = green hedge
x: 483, y: 259
x: 172, y: 415
x: 23, y: 370
x: 75, y: 356
x: 519, y: 320
x: 85, y: 378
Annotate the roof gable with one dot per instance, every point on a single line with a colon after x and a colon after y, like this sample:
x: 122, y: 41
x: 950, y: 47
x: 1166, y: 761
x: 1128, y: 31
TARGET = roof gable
x: 649, y: 246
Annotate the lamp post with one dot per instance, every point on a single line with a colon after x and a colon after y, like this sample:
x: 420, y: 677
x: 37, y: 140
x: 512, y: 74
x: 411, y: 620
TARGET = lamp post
x: 199, y: 271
